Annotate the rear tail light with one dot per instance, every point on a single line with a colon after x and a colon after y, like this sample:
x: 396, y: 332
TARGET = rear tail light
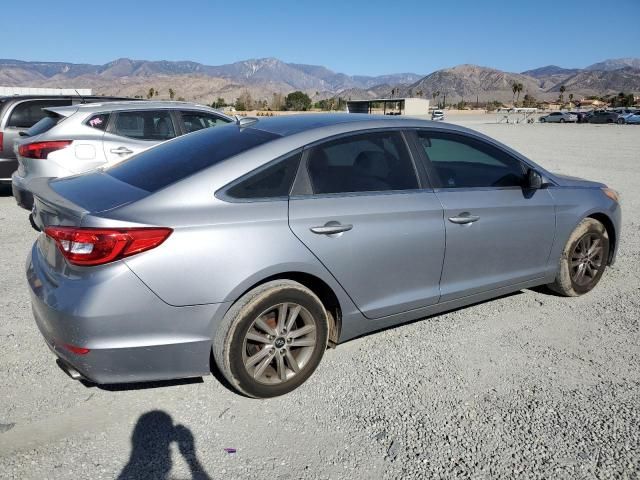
x: 97, y: 246
x: 75, y: 349
x: 40, y: 150
x: 1, y: 141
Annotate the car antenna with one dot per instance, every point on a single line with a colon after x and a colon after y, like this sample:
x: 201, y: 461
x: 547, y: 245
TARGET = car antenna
x: 81, y: 97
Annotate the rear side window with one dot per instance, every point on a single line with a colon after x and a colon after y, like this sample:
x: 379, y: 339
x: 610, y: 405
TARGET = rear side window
x: 272, y: 181
x: 145, y: 125
x: 168, y: 163
x: 362, y: 163
x: 464, y: 162
x: 194, y: 121
x: 28, y: 113
x: 99, y: 121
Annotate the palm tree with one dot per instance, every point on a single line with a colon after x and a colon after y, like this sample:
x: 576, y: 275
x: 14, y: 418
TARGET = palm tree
x: 172, y: 93
x: 514, y: 89
x: 419, y: 93
x: 519, y: 88
x: 571, y: 98
x: 562, y: 90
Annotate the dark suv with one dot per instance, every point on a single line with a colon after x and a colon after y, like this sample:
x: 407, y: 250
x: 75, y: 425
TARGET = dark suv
x: 19, y: 113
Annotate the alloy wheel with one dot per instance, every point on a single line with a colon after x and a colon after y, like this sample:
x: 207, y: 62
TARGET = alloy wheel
x: 279, y: 343
x: 586, y: 259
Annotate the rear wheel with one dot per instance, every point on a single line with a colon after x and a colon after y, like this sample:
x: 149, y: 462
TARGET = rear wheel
x: 272, y: 339
x: 583, y: 259
x: 542, y: 120
x: 562, y: 120
x: 620, y: 121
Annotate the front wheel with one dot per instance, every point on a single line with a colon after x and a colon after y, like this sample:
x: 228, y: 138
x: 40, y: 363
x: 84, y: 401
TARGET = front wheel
x: 542, y: 120
x: 583, y: 259
x: 620, y: 121
x: 272, y: 339
x: 562, y: 120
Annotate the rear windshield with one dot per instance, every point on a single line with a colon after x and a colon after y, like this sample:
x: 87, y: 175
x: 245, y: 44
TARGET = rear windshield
x: 47, y: 123
x: 186, y: 155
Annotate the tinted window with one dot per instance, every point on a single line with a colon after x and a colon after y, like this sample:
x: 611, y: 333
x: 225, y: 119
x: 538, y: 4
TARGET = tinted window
x: 270, y: 182
x: 163, y: 165
x: 362, y: 163
x: 44, y: 125
x: 26, y: 114
x: 194, y: 121
x: 146, y: 125
x: 463, y: 162
x: 99, y: 121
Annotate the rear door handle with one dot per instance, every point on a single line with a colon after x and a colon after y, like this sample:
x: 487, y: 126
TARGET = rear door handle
x: 464, y: 217
x: 121, y: 151
x: 331, y: 228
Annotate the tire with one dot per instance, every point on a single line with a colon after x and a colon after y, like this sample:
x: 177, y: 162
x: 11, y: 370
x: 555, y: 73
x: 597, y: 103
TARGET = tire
x: 568, y: 281
x: 620, y: 121
x: 274, y: 373
x: 542, y: 120
x: 562, y: 120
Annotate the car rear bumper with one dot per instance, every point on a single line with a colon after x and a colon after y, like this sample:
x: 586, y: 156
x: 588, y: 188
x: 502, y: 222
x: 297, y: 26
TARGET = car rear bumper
x: 7, y: 167
x: 131, y: 334
x: 23, y: 197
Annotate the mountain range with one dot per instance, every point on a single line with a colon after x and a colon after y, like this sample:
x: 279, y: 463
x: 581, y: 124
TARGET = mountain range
x: 265, y: 76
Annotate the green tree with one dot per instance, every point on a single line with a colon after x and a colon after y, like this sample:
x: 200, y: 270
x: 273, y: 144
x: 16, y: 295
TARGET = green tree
x: 244, y: 101
x: 297, y: 101
x: 514, y: 89
x: 519, y: 88
x: 562, y: 90
x: 172, y: 93
x: 150, y: 93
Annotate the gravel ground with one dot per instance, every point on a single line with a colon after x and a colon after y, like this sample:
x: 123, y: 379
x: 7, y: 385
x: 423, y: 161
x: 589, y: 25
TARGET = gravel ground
x: 529, y: 385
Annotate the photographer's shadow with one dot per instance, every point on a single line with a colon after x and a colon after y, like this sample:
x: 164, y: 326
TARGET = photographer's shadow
x: 151, y: 453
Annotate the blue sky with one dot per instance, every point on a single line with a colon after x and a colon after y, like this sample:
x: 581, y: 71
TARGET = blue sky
x: 350, y: 36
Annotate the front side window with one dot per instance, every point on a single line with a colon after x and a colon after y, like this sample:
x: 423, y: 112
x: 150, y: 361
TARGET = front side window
x: 369, y: 162
x: 464, y: 162
x: 194, y: 121
x: 274, y: 181
x: 145, y: 125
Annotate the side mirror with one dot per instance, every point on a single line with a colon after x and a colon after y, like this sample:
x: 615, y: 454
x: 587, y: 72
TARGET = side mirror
x: 533, y: 180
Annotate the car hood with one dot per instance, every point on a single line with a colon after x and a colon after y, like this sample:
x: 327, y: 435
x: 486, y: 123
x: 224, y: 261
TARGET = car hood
x: 568, y: 181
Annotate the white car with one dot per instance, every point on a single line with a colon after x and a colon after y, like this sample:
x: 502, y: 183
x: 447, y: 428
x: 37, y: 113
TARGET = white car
x: 79, y: 138
x: 437, y: 115
x: 559, y: 117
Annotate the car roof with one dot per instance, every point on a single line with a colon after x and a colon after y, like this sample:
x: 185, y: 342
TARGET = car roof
x: 129, y: 105
x: 287, y: 125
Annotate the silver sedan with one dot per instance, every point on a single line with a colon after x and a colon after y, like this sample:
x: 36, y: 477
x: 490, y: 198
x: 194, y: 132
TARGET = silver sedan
x: 262, y: 243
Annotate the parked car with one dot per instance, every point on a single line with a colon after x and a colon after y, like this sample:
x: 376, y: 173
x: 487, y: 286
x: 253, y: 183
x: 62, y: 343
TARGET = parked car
x: 632, y: 118
x: 437, y: 115
x: 20, y: 112
x: 79, y: 138
x: 559, y: 117
x: 265, y: 241
x: 625, y: 114
x: 582, y: 117
x: 605, y: 116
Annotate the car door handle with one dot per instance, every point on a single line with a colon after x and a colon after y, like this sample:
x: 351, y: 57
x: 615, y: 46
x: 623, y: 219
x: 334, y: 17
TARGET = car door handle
x: 464, y: 217
x: 121, y: 151
x: 331, y: 228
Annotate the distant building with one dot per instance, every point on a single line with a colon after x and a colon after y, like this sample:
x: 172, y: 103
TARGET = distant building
x: 390, y: 106
x: 595, y: 103
x: 10, y: 91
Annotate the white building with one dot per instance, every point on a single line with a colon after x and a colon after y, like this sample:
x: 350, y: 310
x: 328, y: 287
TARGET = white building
x: 9, y: 91
x: 390, y: 106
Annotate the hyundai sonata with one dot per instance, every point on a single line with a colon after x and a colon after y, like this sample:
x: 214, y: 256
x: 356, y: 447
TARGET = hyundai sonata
x: 263, y: 242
